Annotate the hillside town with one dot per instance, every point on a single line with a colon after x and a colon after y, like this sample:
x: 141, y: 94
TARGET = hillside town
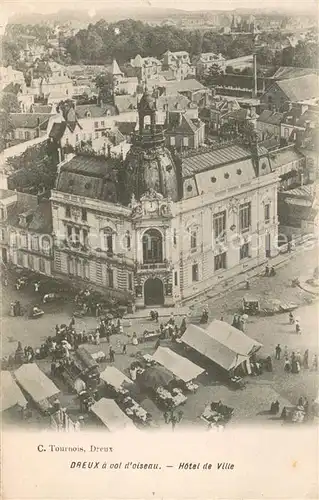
x: 159, y: 223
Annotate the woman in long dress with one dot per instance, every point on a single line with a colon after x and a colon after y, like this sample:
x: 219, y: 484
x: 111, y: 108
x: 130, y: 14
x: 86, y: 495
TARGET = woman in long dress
x: 134, y: 339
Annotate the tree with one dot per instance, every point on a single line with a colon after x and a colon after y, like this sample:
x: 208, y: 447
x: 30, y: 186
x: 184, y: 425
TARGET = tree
x: 214, y: 74
x: 6, y: 128
x: 9, y: 102
x: 35, y: 169
x: 105, y: 84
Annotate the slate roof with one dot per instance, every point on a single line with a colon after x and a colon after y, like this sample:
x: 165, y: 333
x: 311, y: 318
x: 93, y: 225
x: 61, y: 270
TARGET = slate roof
x: 125, y: 103
x: 126, y: 128
x: 186, y: 126
x: 95, y: 110
x: 57, y: 130
x: 183, y: 86
x: 270, y: 117
x: 285, y: 72
x: 30, y: 120
x: 40, y: 108
x: 90, y: 177
x: 215, y: 158
x: 173, y: 102
x: 284, y: 156
x: 300, y: 88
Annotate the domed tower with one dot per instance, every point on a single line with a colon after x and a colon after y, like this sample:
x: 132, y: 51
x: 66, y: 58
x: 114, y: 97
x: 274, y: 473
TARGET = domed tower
x: 149, y: 165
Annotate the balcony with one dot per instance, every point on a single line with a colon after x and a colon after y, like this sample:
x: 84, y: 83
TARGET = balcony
x: 153, y: 265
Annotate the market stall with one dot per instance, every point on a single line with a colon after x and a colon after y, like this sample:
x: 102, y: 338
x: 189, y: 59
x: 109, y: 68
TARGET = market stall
x: 110, y: 414
x: 183, y: 369
x: 80, y: 367
x: 116, y: 382
x: 11, y: 394
x: 37, y: 385
x: 158, y: 381
x: 223, y: 344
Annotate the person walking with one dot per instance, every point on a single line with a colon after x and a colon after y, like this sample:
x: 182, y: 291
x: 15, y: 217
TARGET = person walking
x: 315, y: 363
x: 124, y: 349
x: 286, y: 353
x: 277, y: 352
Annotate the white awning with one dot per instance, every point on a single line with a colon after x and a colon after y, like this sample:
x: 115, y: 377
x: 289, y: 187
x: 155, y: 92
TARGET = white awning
x: 112, y: 416
x: 35, y: 382
x: 11, y: 394
x: 114, y: 377
x: 181, y: 367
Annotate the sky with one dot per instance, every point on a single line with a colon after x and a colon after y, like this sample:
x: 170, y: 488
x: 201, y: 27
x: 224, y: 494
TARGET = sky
x: 8, y: 7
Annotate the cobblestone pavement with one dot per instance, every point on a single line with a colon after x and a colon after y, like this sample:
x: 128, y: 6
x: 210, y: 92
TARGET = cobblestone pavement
x: 251, y: 403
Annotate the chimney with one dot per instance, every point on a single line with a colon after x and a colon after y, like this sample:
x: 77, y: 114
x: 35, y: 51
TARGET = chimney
x: 109, y: 150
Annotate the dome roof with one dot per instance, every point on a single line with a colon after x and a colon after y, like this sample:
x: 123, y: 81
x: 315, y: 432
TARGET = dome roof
x: 155, y: 169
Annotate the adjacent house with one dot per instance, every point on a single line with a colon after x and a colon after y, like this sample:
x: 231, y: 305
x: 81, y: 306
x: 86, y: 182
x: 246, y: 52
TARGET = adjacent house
x: 93, y: 119
x: 145, y: 68
x: 183, y: 132
x: 206, y: 60
x: 269, y: 124
x: 299, y: 210
x: 190, y: 88
x: 179, y: 63
x: 281, y: 92
x: 26, y: 231
x: 28, y: 126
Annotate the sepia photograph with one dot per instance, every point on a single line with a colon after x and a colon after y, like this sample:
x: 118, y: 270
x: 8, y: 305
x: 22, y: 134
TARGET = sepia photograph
x: 159, y: 224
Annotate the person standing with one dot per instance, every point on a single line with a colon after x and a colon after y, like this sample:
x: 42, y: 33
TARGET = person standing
x: 112, y: 357
x: 124, y: 349
x: 315, y: 363
x: 278, y: 352
x: 306, y: 359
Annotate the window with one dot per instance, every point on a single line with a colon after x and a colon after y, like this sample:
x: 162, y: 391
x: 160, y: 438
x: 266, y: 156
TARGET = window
x: 185, y: 142
x: 175, y: 237
x: 27, y: 136
x: 41, y: 265
x: 77, y: 234
x: 219, y: 225
x: 20, y: 259
x: 77, y: 138
x: 84, y: 214
x: 176, y: 278
x: 96, y: 135
x: 69, y: 232
x: 34, y: 243
x: 96, y: 124
x: 195, y: 272
x: 267, y: 212
x: 30, y: 261
x: 2, y: 214
x: 13, y: 238
x: 102, y: 123
x: 110, y: 276
x: 244, y: 251
x: 128, y: 241
x: 244, y: 217
x: 108, y: 240
x: 46, y: 245
x: 286, y: 133
x: 130, y: 281
x: 193, y: 240
x: 220, y: 261
x: 70, y: 266
x: 172, y: 141
x: 68, y: 211
x: 24, y: 241
x: 2, y: 234
x: 85, y: 237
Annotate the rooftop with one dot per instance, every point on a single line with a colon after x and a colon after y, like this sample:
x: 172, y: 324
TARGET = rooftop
x: 300, y: 88
x: 271, y: 117
x: 209, y: 160
x: 88, y: 176
x: 94, y: 110
x: 285, y: 72
x: 190, y: 85
x: 30, y: 120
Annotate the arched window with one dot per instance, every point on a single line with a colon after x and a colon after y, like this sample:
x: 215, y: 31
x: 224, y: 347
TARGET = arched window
x: 107, y: 242
x: 128, y: 240
x: 152, y: 246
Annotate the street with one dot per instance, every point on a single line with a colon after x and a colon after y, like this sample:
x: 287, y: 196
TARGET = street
x: 250, y: 404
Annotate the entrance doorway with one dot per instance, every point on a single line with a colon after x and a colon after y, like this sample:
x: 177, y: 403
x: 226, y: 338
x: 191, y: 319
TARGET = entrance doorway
x: 4, y: 255
x: 267, y: 245
x: 153, y: 292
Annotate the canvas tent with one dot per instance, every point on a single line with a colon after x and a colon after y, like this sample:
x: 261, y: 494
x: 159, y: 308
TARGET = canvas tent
x: 11, y: 394
x: 181, y: 367
x: 154, y: 377
x: 223, y: 344
x: 34, y: 382
x: 115, y: 377
x: 111, y: 415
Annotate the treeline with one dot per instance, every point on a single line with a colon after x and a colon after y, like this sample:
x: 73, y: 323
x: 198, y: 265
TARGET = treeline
x: 101, y: 42
x: 123, y: 40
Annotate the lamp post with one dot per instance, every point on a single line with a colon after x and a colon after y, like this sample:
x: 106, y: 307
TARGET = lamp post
x: 173, y: 417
